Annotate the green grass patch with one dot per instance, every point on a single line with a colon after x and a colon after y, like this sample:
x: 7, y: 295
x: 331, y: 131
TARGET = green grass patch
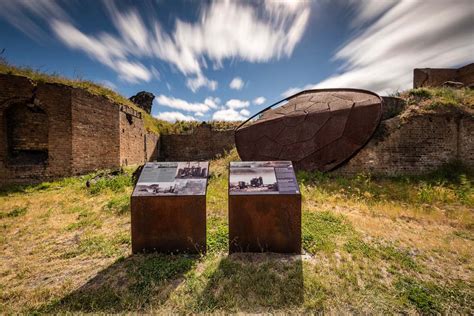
x: 85, y: 219
x: 119, y: 205
x: 16, y: 212
x: 116, y: 183
x: 419, y: 294
x: 320, y: 230
x: 217, y: 234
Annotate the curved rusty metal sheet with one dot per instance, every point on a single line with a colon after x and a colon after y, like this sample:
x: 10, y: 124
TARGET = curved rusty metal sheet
x: 316, y: 129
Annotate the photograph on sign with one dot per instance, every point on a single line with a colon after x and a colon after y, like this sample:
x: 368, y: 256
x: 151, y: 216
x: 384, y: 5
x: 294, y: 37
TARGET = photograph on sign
x: 172, y: 178
x: 262, y: 177
x: 253, y: 180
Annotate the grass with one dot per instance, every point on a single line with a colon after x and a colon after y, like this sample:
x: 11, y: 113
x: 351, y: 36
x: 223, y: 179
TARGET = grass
x: 440, y: 98
x: 370, y: 245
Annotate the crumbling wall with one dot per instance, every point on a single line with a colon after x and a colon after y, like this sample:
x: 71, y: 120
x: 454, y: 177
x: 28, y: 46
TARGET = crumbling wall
x: 202, y: 144
x: 50, y: 130
x: 435, y: 77
x: 26, y: 111
x: 415, y: 145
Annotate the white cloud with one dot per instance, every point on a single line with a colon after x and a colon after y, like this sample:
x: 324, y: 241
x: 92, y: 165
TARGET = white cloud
x: 100, y: 49
x: 212, y: 102
x: 259, y: 101
x: 200, y: 81
x: 236, y: 83
x: 180, y: 104
x: 245, y: 112
x: 237, y: 104
x: 174, y: 116
x: 408, y: 34
x: 228, y: 115
x: 199, y: 114
x: 132, y: 72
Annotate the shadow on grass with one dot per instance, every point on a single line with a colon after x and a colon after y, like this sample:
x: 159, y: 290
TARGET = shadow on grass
x: 251, y: 282
x: 129, y: 284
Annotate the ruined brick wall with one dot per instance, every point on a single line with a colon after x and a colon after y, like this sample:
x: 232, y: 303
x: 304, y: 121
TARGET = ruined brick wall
x: 49, y: 131
x: 421, y: 144
x: 132, y: 137
x: 95, y: 133
x: 202, y: 144
x: 26, y: 110
x: 152, y: 147
x: 435, y: 77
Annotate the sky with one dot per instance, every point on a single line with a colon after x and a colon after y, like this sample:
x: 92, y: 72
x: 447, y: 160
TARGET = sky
x: 227, y: 60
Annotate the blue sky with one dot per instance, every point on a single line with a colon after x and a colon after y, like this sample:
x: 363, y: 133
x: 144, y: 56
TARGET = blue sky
x: 226, y: 60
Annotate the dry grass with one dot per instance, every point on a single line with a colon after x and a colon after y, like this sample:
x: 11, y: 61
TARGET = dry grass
x: 371, y: 246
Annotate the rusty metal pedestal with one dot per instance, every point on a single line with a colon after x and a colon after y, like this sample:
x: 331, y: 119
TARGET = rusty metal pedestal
x: 169, y: 217
x: 264, y: 221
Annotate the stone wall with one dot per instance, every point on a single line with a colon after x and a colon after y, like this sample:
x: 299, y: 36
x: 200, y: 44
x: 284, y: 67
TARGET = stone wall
x: 50, y: 130
x: 202, y: 144
x: 415, y: 145
x: 435, y: 77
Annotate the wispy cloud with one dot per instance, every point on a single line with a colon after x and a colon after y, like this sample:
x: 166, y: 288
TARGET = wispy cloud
x: 259, y: 101
x: 403, y: 35
x: 174, y: 116
x: 237, y: 83
x: 223, y: 30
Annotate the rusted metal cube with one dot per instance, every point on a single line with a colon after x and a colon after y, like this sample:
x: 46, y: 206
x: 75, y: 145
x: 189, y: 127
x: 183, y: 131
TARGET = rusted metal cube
x: 168, y: 207
x: 264, y: 207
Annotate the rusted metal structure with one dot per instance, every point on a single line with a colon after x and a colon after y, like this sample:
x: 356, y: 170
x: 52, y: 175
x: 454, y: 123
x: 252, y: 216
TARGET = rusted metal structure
x: 168, y: 207
x: 315, y: 129
x: 264, y: 207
